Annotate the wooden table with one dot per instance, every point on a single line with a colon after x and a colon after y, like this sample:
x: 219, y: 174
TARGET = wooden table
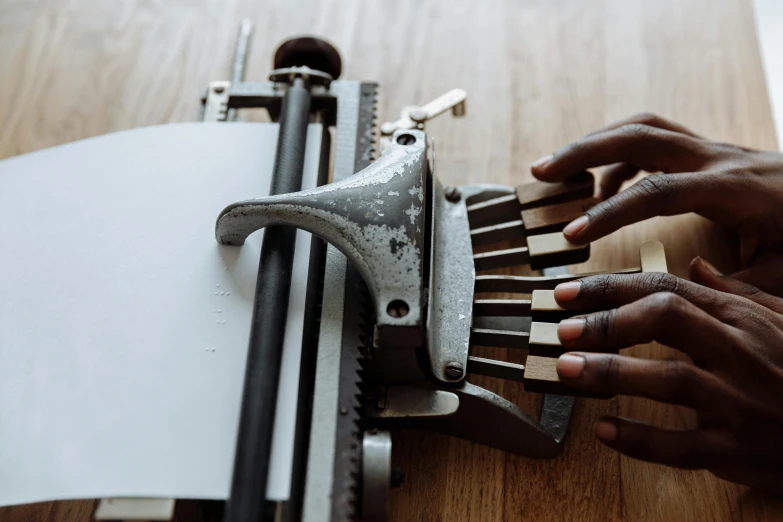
x: 538, y: 74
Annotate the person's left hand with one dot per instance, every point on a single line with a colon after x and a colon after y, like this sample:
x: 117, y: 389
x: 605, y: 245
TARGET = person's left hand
x: 733, y: 334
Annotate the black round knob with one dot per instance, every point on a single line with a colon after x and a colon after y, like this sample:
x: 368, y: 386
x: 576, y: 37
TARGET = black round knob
x: 309, y: 51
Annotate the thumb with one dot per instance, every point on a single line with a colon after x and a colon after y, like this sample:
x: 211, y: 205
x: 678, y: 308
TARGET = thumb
x: 703, y: 273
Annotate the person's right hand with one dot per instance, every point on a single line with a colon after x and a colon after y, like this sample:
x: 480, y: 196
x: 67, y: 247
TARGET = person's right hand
x: 733, y: 334
x: 732, y: 185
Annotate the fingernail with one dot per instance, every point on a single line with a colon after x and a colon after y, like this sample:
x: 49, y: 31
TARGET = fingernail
x: 709, y: 267
x: 570, y: 329
x: 540, y: 162
x: 570, y: 366
x: 606, y: 430
x: 567, y: 291
x: 575, y: 226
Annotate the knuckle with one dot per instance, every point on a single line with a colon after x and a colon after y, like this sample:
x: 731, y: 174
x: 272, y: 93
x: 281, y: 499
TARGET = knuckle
x: 666, y: 306
x: 608, y: 372
x: 647, y: 118
x: 601, y: 328
x: 603, y: 287
x: 654, y: 186
x: 660, y: 282
x: 637, y: 131
x: 678, y: 379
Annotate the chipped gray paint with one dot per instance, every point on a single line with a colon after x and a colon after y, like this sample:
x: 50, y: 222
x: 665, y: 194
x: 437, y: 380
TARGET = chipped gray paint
x: 368, y: 220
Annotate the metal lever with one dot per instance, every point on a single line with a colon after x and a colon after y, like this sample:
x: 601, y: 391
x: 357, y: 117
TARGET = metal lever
x: 414, y: 116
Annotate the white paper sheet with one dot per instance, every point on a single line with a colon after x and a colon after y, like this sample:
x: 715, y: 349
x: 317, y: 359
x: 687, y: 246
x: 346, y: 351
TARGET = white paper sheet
x: 124, y: 325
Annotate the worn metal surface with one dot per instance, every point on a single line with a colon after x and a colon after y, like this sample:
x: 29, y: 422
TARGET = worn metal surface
x: 412, y: 116
x: 354, y: 150
x: 488, y: 419
x: 502, y: 307
x: 330, y: 490
x: 502, y: 258
x: 216, y: 103
x: 375, y: 218
x: 311, y: 76
x: 239, y: 63
x: 413, y: 401
x: 376, y: 475
x: 452, y: 275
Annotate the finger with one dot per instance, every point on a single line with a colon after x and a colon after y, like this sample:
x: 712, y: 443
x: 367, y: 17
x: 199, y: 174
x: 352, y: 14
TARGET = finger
x: 658, y: 317
x: 650, y: 148
x: 672, y: 381
x: 691, y: 449
x: 654, y: 195
x: 614, y: 177
x: 653, y: 120
x: 765, y: 274
x: 606, y: 291
x: 703, y: 273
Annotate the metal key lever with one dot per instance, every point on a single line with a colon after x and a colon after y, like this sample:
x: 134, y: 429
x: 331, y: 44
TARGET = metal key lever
x: 415, y: 116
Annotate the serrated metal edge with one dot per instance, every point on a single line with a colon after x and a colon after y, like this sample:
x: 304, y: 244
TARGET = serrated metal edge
x: 347, y: 460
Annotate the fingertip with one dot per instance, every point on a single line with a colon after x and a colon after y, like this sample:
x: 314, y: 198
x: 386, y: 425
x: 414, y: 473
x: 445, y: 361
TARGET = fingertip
x: 574, y: 228
x: 702, y: 272
x: 606, y: 430
x: 570, y: 329
x: 567, y: 291
x: 538, y: 167
x: 706, y: 265
x: 570, y: 365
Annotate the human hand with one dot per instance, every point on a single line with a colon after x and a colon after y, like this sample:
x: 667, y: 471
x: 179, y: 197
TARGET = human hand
x: 734, y: 186
x: 733, y: 334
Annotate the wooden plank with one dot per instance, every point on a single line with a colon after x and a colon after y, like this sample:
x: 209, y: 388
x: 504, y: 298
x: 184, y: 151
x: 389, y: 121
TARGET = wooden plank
x: 553, y: 218
x: 541, y: 377
x: 553, y: 249
x: 538, y: 194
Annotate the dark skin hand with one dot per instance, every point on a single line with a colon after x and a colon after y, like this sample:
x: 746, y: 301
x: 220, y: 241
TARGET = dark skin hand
x: 734, y: 186
x: 731, y: 330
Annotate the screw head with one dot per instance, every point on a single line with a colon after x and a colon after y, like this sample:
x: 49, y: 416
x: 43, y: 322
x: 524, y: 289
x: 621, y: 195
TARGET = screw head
x: 453, y: 194
x: 453, y: 370
x: 343, y: 410
x: 218, y: 88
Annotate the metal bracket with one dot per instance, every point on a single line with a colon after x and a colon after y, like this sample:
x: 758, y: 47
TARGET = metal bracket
x: 376, y: 218
x: 452, y: 276
x: 216, y: 106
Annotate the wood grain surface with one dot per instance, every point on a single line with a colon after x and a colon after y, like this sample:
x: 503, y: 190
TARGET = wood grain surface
x: 538, y: 74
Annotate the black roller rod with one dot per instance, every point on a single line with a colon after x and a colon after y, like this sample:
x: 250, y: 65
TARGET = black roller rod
x: 270, y: 307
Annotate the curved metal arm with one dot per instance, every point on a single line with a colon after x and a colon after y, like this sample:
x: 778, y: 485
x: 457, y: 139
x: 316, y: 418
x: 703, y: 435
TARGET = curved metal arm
x: 376, y: 218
